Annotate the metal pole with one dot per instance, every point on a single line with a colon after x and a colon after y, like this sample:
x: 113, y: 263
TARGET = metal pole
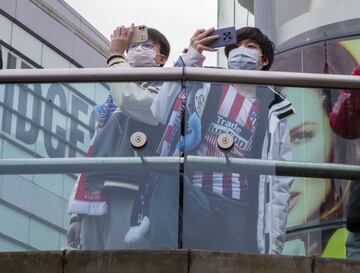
x: 272, y: 78
x: 82, y: 75
x: 90, y: 165
x: 121, y: 164
x: 272, y: 167
x: 178, y: 74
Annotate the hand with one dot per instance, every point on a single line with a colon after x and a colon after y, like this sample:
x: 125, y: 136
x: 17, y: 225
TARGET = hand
x: 120, y: 40
x: 200, y: 39
x: 73, y: 234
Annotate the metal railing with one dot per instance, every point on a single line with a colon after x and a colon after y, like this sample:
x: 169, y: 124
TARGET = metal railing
x: 324, y: 170
x: 188, y: 163
x: 179, y: 74
x: 198, y: 163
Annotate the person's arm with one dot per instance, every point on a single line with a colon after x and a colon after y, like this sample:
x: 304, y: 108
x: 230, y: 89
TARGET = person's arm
x: 193, y: 57
x: 131, y: 99
x: 345, y: 115
x: 164, y: 100
x: 280, y: 190
x: 73, y: 233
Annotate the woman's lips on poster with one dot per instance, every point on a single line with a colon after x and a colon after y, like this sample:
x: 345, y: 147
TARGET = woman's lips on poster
x: 293, y: 198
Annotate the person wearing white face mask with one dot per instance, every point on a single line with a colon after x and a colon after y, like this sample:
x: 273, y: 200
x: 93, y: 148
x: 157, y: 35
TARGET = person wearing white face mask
x: 131, y: 99
x: 94, y: 226
x: 142, y: 55
x: 224, y: 211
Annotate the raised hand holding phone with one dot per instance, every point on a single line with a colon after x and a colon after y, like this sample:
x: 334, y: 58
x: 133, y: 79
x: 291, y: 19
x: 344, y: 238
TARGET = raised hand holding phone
x: 201, y: 39
x: 227, y: 36
x: 120, y: 40
x: 140, y: 34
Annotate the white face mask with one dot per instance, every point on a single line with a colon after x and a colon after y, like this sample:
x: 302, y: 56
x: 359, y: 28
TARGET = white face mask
x: 244, y: 58
x: 140, y: 57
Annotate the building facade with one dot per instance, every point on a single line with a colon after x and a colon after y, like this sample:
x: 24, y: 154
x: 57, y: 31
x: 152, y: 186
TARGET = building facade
x: 44, y: 120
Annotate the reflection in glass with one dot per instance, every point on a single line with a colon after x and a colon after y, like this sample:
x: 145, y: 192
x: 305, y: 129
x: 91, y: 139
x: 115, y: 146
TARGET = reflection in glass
x: 58, y: 121
x: 318, y: 201
x: 315, y: 200
x: 120, y: 208
x: 236, y: 210
x: 312, y: 141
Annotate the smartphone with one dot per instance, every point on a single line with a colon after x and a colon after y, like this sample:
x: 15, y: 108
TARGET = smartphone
x: 227, y: 36
x: 140, y: 34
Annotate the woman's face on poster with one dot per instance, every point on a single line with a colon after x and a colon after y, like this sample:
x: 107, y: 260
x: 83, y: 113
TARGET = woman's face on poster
x: 311, y: 140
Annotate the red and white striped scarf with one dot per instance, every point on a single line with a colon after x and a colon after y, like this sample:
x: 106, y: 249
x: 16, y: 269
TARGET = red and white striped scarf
x: 172, y: 133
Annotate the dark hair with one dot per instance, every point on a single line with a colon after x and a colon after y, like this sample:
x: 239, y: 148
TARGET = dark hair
x: 159, y: 38
x: 254, y: 34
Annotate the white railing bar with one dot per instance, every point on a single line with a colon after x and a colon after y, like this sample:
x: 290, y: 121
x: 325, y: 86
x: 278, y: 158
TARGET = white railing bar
x: 94, y: 164
x: 79, y: 75
x: 274, y: 167
x: 272, y: 78
x: 127, y: 164
x: 178, y: 74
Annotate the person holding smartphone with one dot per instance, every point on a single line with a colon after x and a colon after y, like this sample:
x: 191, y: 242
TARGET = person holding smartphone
x: 224, y: 210
x: 101, y: 203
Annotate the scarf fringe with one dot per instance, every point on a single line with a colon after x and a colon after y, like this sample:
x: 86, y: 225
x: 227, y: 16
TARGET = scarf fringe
x: 97, y: 208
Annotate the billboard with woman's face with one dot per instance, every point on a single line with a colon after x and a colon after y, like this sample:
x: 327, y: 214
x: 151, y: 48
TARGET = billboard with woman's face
x: 316, y: 202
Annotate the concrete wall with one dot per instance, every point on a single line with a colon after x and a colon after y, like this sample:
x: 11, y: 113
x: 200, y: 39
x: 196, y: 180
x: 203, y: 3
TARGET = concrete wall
x: 167, y: 261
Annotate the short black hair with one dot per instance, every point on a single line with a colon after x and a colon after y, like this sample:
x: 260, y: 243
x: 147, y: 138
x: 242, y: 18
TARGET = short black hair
x: 159, y: 38
x: 254, y: 34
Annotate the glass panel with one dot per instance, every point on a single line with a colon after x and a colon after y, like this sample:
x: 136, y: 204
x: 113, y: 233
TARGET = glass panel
x: 54, y: 124
x: 319, y: 200
x: 324, y: 130
x: 229, y: 207
x: 221, y: 207
x: 16, y: 224
x: 43, y: 237
x: 324, y: 241
x: 9, y: 246
x: 122, y: 208
x: 88, y: 90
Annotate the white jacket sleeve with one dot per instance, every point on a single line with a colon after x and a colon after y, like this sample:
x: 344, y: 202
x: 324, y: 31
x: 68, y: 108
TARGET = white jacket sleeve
x: 166, y: 97
x: 280, y: 191
x: 131, y: 99
x: 164, y: 101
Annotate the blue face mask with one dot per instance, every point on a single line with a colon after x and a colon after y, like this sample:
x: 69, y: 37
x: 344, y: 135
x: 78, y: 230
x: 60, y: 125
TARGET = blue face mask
x: 244, y: 58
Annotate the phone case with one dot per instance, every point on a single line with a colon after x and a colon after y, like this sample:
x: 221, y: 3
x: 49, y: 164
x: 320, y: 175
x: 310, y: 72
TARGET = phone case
x: 140, y: 35
x: 227, y: 36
